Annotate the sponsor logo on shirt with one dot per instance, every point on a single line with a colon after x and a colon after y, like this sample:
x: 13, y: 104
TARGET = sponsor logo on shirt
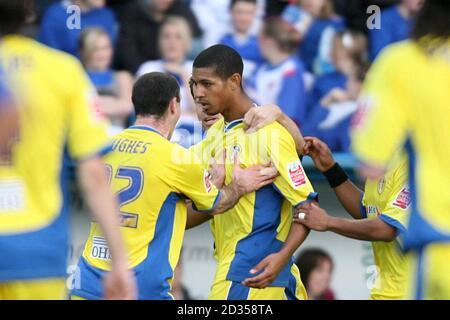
x: 403, y: 199
x: 12, y: 196
x: 296, y: 173
x: 129, y: 220
x: 100, y: 249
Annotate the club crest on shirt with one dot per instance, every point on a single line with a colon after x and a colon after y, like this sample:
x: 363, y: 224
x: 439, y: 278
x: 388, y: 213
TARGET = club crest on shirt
x: 403, y: 199
x: 207, y: 181
x: 296, y: 173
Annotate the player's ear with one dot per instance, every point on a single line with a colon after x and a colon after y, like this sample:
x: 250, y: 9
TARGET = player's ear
x: 235, y: 81
x: 173, y: 105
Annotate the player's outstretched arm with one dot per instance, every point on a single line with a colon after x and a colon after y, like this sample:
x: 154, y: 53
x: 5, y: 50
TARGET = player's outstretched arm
x: 249, y: 180
x: 348, y: 194
x: 195, y: 218
x: 119, y: 282
x: 257, y: 118
x: 275, y: 262
x: 316, y: 218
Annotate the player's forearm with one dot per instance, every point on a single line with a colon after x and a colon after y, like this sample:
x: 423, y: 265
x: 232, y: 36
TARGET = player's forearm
x: 350, y: 196
x: 103, y: 206
x: 195, y: 218
x: 292, y: 128
x: 230, y: 195
x: 296, y: 237
x: 365, y: 229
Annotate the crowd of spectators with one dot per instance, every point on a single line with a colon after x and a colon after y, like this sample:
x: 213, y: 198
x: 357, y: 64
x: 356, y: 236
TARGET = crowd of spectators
x: 308, y: 56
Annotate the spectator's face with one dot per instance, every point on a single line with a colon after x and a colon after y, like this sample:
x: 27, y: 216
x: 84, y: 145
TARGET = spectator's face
x: 161, y: 5
x: 210, y: 91
x: 314, y: 7
x: 414, y: 6
x: 266, y: 45
x: 243, y: 15
x: 95, y: 3
x: 320, y: 279
x: 101, y: 56
x: 171, y: 43
x: 340, y: 56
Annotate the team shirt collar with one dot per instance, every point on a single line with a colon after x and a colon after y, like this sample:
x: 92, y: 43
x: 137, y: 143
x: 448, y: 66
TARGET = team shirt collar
x: 147, y: 128
x: 234, y: 123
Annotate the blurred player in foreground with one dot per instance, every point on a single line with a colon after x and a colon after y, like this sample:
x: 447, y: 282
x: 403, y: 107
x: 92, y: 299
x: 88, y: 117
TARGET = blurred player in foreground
x: 406, y: 103
x: 9, y: 119
x: 56, y: 117
x: 380, y: 213
x: 254, y: 237
x: 153, y: 177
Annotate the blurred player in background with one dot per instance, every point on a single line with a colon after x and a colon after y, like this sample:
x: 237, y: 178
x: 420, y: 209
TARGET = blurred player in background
x: 153, y: 177
x: 255, y: 234
x: 406, y: 102
x: 380, y: 213
x: 56, y: 117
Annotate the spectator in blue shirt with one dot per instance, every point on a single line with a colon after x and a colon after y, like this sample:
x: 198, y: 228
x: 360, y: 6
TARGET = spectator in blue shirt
x: 280, y: 80
x: 114, y: 88
x: 61, y: 29
x: 243, y: 14
x: 332, y: 100
x: 396, y: 25
x: 317, y: 22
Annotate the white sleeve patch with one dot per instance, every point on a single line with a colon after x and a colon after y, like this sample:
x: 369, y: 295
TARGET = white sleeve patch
x: 403, y: 199
x: 296, y: 174
x: 207, y: 181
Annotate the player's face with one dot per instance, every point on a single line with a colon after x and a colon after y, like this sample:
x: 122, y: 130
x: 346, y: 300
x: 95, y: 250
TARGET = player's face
x: 243, y: 14
x: 207, y: 121
x: 210, y: 91
x: 172, y: 45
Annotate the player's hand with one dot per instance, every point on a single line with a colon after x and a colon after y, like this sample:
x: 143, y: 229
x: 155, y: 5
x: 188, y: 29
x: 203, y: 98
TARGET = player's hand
x: 319, y: 152
x: 217, y: 170
x: 271, y: 266
x: 312, y: 217
x: 253, y: 178
x: 257, y: 118
x: 120, y: 284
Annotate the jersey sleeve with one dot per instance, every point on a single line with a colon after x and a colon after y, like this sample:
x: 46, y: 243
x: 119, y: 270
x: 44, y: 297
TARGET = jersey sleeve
x: 87, y: 128
x: 381, y: 123
x: 292, y: 183
x: 193, y: 180
x: 395, y: 213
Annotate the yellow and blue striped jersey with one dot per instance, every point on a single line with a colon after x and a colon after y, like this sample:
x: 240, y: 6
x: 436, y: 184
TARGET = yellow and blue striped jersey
x: 406, y: 101
x: 388, y: 199
x: 259, y: 223
x: 57, y: 114
x: 152, y: 177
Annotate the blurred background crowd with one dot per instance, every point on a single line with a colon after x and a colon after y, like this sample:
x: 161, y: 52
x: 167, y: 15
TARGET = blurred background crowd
x: 308, y: 56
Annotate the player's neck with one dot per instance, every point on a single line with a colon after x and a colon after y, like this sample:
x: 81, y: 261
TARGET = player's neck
x: 160, y: 126
x: 237, y: 108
